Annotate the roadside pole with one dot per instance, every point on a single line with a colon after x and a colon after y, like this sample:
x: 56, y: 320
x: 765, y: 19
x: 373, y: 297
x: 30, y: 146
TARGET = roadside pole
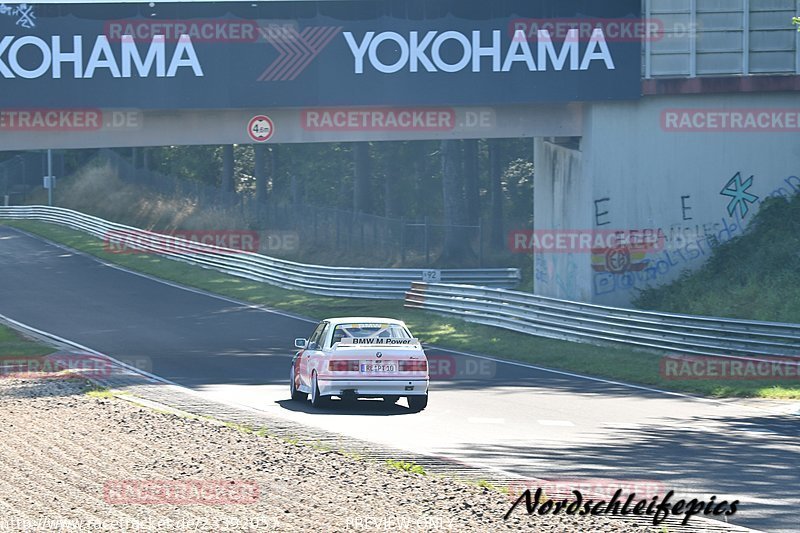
x: 50, y: 177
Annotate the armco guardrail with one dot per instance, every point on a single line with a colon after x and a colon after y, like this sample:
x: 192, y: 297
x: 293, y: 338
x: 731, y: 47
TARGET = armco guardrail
x: 325, y: 280
x: 562, y: 319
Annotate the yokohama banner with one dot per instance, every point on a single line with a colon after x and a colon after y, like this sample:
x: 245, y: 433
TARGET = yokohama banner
x: 199, y: 55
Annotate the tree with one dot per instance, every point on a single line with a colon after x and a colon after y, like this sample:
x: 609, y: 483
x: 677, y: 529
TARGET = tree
x: 425, y: 186
x: 456, y: 240
x: 227, y: 168
x: 260, y: 172
x: 390, y: 165
x: 361, y: 177
x: 497, y: 242
x: 471, y: 182
x: 200, y: 163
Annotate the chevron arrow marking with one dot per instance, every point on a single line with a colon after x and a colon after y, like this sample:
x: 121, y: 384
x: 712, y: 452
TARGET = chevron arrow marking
x: 297, y: 50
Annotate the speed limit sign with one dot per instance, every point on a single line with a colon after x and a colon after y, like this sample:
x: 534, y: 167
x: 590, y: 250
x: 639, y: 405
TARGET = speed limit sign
x: 260, y: 128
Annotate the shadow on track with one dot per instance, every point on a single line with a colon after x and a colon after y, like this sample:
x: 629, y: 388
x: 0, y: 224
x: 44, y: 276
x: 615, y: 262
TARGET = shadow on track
x: 351, y: 407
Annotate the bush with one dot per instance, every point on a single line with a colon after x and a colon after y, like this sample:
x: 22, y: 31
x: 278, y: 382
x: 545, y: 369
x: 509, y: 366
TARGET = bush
x: 754, y: 276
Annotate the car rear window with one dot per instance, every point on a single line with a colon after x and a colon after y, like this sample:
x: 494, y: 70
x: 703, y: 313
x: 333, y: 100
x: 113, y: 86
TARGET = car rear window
x: 389, y: 331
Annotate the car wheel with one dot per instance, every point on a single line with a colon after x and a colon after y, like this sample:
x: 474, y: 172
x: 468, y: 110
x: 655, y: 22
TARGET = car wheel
x: 417, y: 403
x: 316, y: 399
x: 297, y: 395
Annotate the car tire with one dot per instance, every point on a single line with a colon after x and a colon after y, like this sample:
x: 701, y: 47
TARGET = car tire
x: 417, y: 403
x: 316, y: 399
x: 297, y: 395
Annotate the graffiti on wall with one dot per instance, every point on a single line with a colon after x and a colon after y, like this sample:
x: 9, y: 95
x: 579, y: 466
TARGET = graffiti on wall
x: 558, y: 271
x: 686, y: 246
x: 619, y: 259
x: 736, y: 189
x: 783, y: 192
x: 22, y: 12
x: 628, y: 265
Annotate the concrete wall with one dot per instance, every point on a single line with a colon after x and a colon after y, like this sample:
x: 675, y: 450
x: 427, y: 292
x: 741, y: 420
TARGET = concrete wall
x: 637, y: 174
x: 560, y: 200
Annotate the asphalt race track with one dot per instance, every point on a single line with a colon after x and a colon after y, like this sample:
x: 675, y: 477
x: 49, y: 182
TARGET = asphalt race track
x: 511, y: 417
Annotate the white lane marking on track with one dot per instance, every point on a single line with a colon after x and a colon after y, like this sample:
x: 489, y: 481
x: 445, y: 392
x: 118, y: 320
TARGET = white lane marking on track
x: 602, y: 380
x: 479, y: 420
x: 624, y: 425
x: 562, y: 423
x: 86, y: 349
x: 467, y: 354
x: 169, y: 283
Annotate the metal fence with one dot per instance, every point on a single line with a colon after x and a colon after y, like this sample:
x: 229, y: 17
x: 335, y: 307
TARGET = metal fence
x: 398, y: 240
x: 22, y: 174
x: 566, y: 320
x: 326, y: 280
x: 165, y: 183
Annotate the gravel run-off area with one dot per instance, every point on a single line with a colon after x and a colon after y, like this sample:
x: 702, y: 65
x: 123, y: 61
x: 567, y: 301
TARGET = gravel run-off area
x: 72, y: 461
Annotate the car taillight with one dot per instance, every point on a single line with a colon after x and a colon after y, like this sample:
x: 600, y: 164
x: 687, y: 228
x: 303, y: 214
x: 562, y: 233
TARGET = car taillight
x: 343, y: 366
x: 413, y: 366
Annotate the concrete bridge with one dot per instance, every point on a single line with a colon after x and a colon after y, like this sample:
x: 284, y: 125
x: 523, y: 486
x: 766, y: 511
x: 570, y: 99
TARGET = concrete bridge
x: 677, y: 117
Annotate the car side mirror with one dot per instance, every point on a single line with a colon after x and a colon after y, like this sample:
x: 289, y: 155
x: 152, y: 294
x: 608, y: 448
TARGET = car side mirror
x: 300, y: 343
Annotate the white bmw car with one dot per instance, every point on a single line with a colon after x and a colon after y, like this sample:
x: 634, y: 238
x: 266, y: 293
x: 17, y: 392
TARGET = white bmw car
x: 360, y: 357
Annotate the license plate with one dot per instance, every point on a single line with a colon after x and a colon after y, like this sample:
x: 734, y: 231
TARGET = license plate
x: 378, y: 368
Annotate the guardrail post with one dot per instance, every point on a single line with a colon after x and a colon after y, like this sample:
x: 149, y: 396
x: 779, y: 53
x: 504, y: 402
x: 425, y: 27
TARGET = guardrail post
x: 51, y: 181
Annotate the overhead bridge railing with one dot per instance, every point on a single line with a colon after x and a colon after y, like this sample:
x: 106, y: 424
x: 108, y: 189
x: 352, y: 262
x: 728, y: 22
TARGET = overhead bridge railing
x: 574, y: 321
x: 324, y: 280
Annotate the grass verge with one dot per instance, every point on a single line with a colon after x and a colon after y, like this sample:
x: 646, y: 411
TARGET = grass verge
x: 753, y: 276
x: 93, y: 391
x: 405, y: 466
x: 618, y: 363
x: 14, y: 345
